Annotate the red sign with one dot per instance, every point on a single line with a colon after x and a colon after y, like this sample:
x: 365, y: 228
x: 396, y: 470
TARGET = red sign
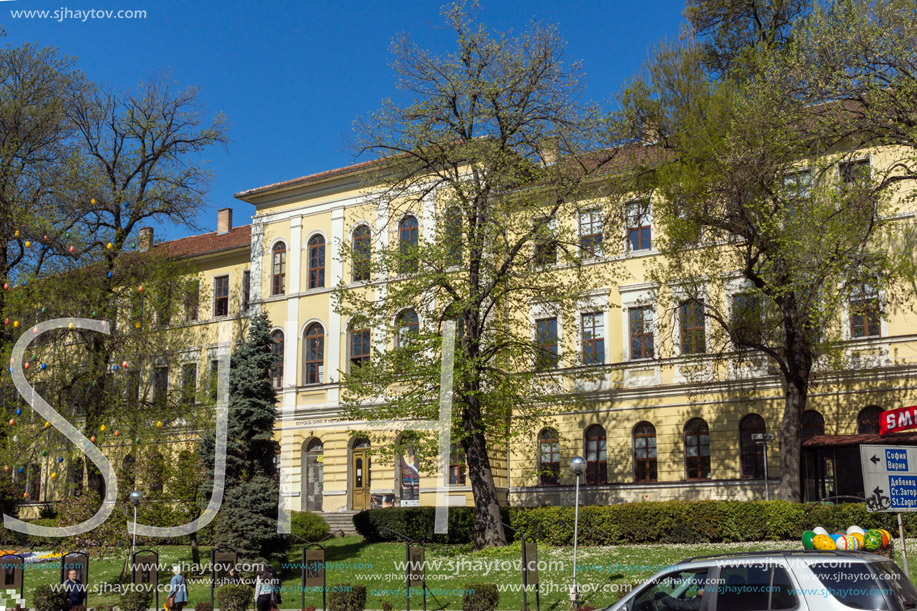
x: 895, y: 420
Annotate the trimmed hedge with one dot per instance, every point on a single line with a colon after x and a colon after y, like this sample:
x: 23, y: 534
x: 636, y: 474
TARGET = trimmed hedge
x: 347, y: 597
x: 417, y: 523
x: 643, y: 522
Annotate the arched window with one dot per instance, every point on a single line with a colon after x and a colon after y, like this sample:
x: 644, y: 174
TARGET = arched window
x: 868, y: 420
x: 315, y: 354
x: 596, y: 457
x: 406, y: 325
x: 548, y: 457
x: 645, y: 452
x: 452, y: 234
x: 697, y: 449
x: 812, y: 424
x: 279, y: 269
x: 362, y: 251
x: 407, y: 241
x: 751, y: 453
x: 277, y: 363
x: 316, y: 262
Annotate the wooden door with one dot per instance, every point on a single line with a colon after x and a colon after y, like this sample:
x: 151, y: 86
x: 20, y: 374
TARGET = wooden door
x: 360, y: 482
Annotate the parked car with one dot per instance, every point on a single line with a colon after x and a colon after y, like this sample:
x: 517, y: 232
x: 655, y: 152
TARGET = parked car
x: 760, y: 581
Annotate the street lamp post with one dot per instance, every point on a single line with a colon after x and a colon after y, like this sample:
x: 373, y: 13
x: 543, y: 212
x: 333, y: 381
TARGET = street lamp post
x: 762, y: 439
x: 135, y: 498
x: 578, y: 465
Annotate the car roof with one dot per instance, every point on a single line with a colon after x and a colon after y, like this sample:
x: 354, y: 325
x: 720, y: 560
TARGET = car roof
x: 786, y: 554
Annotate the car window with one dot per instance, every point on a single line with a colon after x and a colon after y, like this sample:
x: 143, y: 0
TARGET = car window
x: 896, y: 581
x: 754, y: 587
x: 852, y: 583
x: 676, y: 591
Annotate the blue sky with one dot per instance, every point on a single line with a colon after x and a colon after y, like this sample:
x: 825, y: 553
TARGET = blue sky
x: 292, y: 76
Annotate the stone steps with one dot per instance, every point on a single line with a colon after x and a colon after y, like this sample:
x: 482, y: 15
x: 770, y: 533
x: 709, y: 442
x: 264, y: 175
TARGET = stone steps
x: 340, y: 520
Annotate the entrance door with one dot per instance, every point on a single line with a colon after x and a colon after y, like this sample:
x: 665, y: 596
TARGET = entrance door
x: 313, y: 480
x: 361, y: 482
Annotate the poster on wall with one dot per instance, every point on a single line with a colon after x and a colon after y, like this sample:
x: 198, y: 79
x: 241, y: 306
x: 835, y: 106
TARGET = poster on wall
x: 377, y: 501
x: 410, y: 479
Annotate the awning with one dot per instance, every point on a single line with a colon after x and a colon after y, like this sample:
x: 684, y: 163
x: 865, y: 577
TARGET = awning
x: 833, y: 441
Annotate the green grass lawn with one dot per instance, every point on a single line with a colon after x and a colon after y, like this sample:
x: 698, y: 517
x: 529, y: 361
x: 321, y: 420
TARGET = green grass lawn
x: 604, y: 573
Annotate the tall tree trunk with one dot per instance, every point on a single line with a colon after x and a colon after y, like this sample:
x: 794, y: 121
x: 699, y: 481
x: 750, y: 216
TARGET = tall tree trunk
x: 195, y: 550
x: 796, y: 396
x: 488, y: 523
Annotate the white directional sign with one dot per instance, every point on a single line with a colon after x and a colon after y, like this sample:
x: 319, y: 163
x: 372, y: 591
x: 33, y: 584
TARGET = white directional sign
x: 889, y: 477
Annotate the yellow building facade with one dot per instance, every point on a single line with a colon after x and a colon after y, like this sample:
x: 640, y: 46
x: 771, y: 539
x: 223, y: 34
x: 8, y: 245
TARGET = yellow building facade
x: 660, y: 425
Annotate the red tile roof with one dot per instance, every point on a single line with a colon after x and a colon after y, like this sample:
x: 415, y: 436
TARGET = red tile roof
x: 825, y: 441
x: 207, y: 243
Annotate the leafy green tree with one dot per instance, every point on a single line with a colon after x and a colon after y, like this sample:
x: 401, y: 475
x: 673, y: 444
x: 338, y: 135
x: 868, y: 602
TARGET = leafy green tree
x: 248, y: 520
x: 755, y: 180
x: 494, y: 148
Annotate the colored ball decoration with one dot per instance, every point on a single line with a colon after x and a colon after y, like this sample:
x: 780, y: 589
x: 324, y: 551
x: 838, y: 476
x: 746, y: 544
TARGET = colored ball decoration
x: 15, y: 324
x: 21, y: 469
x: 117, y: 433
x: 873, y: 540
x: 823, y: 542
x: 93, y: 201
x: 16, y: 234
x: 886, y: 537
x: 114, y: 368
x: 6, y: 468
x: 124, y: 365
x: 140, y: 289
x: 53, y: 475
x: 47, y: 424
x: 70, y: 326
x: 842, y: 542
x: 137, y: 325
x: 109, y: 274
x: 60, y: 459
x: 72, y: 249
x: 92, y: 439
x: 26, y: 365
x: 44, y: 452
x: 6, y: 286
x: 137, y: 441
x: 25, y: 495
x: 102, y: 428
x: 43, y: 310
x: 109, y: 246
x: 808, y: 539
x: 159, y: 424
x: 6, y: 321
x: 44, y: 366
x: 12, y: 422
x: 45, y: 238
x: 18, y: 411
x: 28, y: 244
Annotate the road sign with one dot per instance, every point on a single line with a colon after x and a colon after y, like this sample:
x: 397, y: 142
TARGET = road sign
x: 889, y: 477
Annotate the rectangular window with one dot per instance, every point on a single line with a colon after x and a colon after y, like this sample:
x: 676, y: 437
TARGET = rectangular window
x: 164, y: 307
x: 593, y: 338
x: 214, y: 378
x: 691, y: 321
x: 246, y: 290
x: 546, y: 337
x: 221, y: 296
x: 189, y: 383
x: 160, y: 386
x: 641, y: 333
x: 545, y: 242
x: 192, y: 300
x: 457, y: 465
x: 639, y: 226
x: 747, y: 323
x: 865, y: 313
x: 359, y: 347
x: 590, y: 233
x: 855, y: 172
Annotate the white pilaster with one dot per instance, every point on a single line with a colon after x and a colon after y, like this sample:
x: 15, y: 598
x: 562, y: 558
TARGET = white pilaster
x: 336, y: 334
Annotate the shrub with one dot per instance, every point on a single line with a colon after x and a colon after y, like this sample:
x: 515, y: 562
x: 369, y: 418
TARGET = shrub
x: 480, y: 597
x: 309, y: 526
x: 347, y: 597
x: 386, y: 606
x: 203, y: 606
x: 46, y: 599
x: 136, y: 600
x: 417, y: 523
x: 234, y: 597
